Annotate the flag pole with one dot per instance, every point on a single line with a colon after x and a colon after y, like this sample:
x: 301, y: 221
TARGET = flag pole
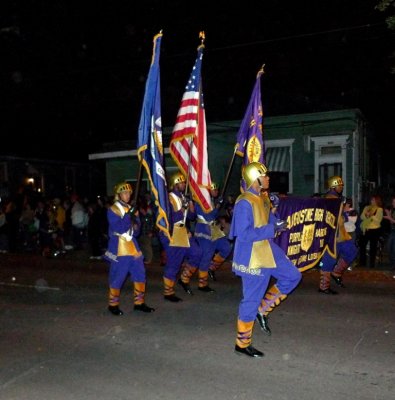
x: 137, y: 190
x: 226, y: 181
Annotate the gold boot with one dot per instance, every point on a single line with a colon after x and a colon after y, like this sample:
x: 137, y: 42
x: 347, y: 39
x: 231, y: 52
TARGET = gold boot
x: 168, y: 292
x: 113, y: 302
x: 203, y: 282
x: 244, y: 339
x: 139, y: 294
x: 216, y: 262
x: 186, y: 274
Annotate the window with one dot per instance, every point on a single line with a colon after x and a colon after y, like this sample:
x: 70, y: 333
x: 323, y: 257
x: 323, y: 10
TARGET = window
x: 329, y: 160
x: 279, y: 182
x: 279, y: 160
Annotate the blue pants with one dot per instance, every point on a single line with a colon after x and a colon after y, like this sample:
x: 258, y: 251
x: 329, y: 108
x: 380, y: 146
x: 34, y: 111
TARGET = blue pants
x: 208, y: 250
x: 126, y: 265
x: 176, y: 255
x: 346, y: 250
x: 255, y: 286
x: 223, y: 247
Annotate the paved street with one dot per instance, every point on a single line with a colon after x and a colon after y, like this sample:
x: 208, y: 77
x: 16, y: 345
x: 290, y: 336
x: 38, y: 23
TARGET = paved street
x: 58, y: 341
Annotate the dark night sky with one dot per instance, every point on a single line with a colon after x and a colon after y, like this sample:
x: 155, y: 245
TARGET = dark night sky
x: 73, y: 72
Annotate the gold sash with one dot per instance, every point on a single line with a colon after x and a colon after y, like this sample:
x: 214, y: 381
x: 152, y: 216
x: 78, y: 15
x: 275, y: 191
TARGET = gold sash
x: 261, y: 253
x: 127, y: 248
x: 180, y: 237
x: 216, y: 232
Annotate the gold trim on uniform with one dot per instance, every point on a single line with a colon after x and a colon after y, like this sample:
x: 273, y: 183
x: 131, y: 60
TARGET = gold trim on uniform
x: 261, y: 253
x: 180, y: 236
x: 216, y: 232
x: 127, y: 248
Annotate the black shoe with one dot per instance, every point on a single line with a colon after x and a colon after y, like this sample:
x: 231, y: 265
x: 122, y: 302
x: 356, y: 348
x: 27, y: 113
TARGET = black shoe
x: 186, y: 287
x: 172, y: 297
x: 115, y: 310
x: 143, y: 307
x: 327, y: 291
x: 206, y: 289
x: 248, y: 351
x: 338, y: 280
x: 211, y: 274
x: 263, y: 323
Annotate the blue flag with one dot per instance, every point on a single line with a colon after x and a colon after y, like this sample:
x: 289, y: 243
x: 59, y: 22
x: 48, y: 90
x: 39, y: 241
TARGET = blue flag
x: 250, y: 138
x: 150, y: 145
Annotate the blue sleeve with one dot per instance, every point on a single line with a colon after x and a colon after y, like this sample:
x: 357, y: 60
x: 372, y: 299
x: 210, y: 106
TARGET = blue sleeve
x: 176, y: 215
x: 118, y: 224
x: 243, y: 224
x: 210, y: 216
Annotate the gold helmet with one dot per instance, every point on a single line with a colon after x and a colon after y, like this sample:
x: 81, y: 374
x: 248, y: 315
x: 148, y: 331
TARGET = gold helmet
x: 252, y: 171
x: 214, y: 186
x: 177, y: 177
x: 123, y: 187
x: 334, y: 181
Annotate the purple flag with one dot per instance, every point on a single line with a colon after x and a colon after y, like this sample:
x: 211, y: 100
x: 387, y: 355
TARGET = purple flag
x: 249, y: 138
x: 312, y: 228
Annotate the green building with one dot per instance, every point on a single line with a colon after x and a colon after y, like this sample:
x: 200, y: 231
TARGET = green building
x: 301, y: 152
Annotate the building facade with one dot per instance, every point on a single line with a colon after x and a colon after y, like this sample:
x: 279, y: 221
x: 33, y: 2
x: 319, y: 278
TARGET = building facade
x: 301, y: 151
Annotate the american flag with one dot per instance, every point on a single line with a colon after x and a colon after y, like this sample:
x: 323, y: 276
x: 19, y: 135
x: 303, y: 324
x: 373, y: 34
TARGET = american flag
x: 190, y: 130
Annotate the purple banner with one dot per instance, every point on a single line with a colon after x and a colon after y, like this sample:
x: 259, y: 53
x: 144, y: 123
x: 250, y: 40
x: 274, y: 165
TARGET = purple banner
x: 312, y: 224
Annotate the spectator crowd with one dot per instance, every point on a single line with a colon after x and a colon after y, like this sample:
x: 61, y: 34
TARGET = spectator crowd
x: 53, y: 226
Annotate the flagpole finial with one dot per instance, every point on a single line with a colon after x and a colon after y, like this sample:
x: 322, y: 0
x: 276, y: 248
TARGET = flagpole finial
x: 202, y: 37
x: 261, y: 71
x: 156, y: 37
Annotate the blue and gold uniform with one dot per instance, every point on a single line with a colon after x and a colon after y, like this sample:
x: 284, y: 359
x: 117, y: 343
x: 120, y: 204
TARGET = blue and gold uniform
x: 183, y: 248
x: 123, y: 251
x: 346, y: 249
x: 257, y: 258
x: 210, y: 239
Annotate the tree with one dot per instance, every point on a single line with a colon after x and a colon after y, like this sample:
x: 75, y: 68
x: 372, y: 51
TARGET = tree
x: 384, y: 5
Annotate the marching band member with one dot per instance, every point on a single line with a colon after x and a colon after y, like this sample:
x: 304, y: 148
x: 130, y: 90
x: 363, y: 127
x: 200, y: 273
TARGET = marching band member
x: 208, y: 234
x: 346, y: 249
x: 123, y: 251
x: 222, y: 247
x: 183, y: 246
x: 257, y: 258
